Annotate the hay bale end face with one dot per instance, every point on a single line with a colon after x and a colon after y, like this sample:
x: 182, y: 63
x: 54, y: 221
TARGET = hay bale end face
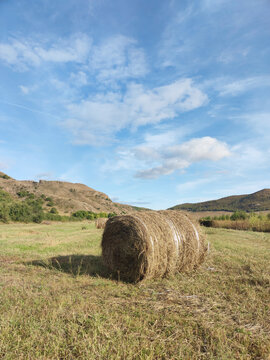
x: 100, y: 223
x: 152, y: 244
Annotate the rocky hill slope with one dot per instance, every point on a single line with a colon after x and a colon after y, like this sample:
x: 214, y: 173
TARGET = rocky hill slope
x: 64, y: 196
x: 258, y: 201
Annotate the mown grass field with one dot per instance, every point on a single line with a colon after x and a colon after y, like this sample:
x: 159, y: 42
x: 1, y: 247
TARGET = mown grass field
x: 57, y: 300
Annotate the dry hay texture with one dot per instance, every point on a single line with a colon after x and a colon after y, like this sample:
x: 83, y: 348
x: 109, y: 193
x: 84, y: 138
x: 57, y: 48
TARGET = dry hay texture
x: 152, y: 244
x: 100, y: 223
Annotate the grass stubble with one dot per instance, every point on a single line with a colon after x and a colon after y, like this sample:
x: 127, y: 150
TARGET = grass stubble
x: 57, y: 300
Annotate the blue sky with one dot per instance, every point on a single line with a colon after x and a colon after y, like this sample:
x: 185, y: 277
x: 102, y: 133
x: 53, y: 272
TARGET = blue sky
x: 153, y: 102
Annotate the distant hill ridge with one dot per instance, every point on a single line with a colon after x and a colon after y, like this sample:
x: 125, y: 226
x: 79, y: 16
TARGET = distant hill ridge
x: 65, y: 196
x: 258, y: 201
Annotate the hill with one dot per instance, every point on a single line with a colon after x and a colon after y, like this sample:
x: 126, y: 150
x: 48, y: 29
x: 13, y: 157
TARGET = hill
x: 258, y: 201
x: 66, y: 197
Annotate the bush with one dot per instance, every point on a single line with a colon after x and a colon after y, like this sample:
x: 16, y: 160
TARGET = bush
x: 38, y: 218
x: 4, y: 196
x: 112, y: 214
x: 206, y: 222
x: 6, y: 177
x: 53, y: 211
x: 88, y: 215
x: 4, y: 213
x: 239, y: 215
x: 22, y: 193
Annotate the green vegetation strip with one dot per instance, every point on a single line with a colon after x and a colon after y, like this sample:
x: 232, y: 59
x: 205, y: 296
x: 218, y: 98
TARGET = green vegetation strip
x: 239, y: 220
x: 57, y: 300
x: 31, y: 209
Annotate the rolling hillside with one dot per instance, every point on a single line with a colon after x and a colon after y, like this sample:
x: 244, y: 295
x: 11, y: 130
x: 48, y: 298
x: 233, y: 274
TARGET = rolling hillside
x: 258, y: 201
x: 66, y: 197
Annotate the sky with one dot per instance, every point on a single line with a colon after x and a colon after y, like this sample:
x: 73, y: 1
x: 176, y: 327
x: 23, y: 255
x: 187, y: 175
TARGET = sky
x: 155, y: 102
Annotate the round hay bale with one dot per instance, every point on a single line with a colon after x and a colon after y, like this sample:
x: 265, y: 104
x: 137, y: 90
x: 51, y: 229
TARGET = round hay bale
x: 152, y: 244
x: 100, y: 223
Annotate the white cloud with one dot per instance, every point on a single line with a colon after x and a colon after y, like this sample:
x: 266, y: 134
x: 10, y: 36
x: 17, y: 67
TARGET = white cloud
x: 29, y: 89
x: 45, y: 176
x: 239, y: 86
x: 206, y: 148
x: 181, y: 156
x: 76, y: 51
x: 8, y: 53
x: 118, y: 58
x: 166, y: 168
x: 228, y: 86
x: 24, y: 89
x: 79, y: 79
x: 228, y: 56
x: 101, y: 117
x: 26, y: 53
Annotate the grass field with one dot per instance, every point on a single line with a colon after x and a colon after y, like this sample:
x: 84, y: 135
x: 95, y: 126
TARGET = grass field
x: 57, y: 300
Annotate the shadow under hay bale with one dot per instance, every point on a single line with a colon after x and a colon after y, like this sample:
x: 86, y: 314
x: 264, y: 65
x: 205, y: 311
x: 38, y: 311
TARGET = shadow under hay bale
x: 100, y: 223
x: 152, y: 244
x: 75, y: 265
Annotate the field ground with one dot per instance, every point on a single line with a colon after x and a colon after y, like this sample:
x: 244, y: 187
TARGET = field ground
x: 57, y: 301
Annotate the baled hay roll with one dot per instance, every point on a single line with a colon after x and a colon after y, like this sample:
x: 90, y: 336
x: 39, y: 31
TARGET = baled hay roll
x: 100, y: 223
x: 152, y: 244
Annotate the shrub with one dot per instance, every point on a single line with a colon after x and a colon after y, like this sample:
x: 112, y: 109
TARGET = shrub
x: 112, y: 214
x: 53, y: 211
x: 239, y: 215
x: 4, y: 213
x: 4, y: 196
x: 206, y: 222
x: 88, y: 215
x: 23, y: 193
x: 38, y: 218
x: 5, y: 176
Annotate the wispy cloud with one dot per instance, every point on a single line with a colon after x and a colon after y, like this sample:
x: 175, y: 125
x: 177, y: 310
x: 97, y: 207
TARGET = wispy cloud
x: 28, y: 108
x: 97, y: 120
x: 118, y: 57
x: 24, y: 54
x: 239, y: 86
x: 45, y: 176
x: 24, y: 89
x: 259, y: 122
x: 79, y: 79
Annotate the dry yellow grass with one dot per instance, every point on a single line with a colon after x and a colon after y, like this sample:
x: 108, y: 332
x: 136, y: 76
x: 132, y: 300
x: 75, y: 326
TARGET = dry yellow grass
x: 57, y: 300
